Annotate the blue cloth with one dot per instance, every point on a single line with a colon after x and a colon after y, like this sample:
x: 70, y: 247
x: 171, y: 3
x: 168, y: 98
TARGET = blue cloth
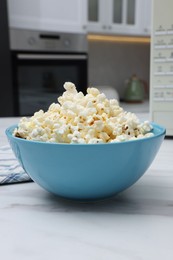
x: 10, y: 169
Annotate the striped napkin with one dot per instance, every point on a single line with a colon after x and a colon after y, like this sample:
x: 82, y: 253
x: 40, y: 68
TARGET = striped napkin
x: 10, y: 169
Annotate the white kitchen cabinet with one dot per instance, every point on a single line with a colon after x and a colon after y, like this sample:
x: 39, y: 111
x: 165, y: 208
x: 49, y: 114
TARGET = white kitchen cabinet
x: 96, y: 15
x: 130, y: 17
x: 52, y: 15
x: 146, y: 7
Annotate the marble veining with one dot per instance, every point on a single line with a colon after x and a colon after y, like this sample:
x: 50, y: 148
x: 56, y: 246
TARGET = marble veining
x: 137, y: 224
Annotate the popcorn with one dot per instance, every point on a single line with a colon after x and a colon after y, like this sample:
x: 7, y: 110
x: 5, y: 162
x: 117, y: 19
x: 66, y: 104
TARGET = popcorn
x: 83, y: 119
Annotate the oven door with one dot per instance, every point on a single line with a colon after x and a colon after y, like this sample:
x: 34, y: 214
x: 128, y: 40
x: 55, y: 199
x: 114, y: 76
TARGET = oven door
x: 38, y: 79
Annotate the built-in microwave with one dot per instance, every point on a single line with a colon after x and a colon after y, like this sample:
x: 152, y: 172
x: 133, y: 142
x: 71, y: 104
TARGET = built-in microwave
x: 41, y: 64
x: 161, y: 69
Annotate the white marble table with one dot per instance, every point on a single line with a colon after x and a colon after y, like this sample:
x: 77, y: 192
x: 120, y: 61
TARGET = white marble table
x: 135, y: 225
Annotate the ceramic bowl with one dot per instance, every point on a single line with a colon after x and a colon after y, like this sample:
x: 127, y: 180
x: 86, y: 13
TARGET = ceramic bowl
x: 86, y: 171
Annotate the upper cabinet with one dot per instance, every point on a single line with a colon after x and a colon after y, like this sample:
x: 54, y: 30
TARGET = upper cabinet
x: 146, y: 17
x: 130, y: 17
x: 52, y: 15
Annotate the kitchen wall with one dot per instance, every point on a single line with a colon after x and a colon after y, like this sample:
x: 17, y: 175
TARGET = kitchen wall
x: 111, y: 63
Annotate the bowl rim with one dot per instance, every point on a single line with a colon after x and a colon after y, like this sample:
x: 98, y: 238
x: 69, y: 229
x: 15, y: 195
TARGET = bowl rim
x: 162, y: 132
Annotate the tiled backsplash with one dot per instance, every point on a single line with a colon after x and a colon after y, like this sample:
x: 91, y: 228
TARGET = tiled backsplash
x: 112, y: 63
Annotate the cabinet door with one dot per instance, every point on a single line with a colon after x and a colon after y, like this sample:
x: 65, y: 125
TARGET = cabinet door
x: 124, y: 16
x: 24, y: 14
x: 52, y: 15
x: 96, y: 12
x: 146, y: 6
x: 66, y: 15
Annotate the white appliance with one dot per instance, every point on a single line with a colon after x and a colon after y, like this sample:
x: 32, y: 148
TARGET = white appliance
x: 161, y: 69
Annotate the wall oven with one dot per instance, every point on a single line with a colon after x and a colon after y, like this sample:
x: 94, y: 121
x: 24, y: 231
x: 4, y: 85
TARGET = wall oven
x: 42, y: 63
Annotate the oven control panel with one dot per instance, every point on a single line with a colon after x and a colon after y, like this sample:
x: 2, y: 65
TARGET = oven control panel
x: 161, y: 81
x: 30, y: 40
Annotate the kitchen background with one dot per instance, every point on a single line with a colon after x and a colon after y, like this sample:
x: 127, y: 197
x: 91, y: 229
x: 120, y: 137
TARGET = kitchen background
x: 117, y: 31
x: 111, y: 64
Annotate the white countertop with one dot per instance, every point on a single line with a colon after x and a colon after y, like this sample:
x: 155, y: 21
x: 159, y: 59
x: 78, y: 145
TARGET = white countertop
x: 134, y: 225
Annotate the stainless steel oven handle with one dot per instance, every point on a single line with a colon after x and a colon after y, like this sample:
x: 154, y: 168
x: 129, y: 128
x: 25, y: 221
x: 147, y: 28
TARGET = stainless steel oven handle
x: 26, y: 56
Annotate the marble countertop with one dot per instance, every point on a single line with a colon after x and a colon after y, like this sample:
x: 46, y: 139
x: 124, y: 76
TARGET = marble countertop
x: 137, y: 224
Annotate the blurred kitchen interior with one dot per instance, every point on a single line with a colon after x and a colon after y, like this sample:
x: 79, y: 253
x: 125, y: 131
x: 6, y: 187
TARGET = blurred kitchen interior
x: 122, y: 48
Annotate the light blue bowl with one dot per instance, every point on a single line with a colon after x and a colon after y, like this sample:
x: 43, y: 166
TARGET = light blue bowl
x: 86, y: 171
